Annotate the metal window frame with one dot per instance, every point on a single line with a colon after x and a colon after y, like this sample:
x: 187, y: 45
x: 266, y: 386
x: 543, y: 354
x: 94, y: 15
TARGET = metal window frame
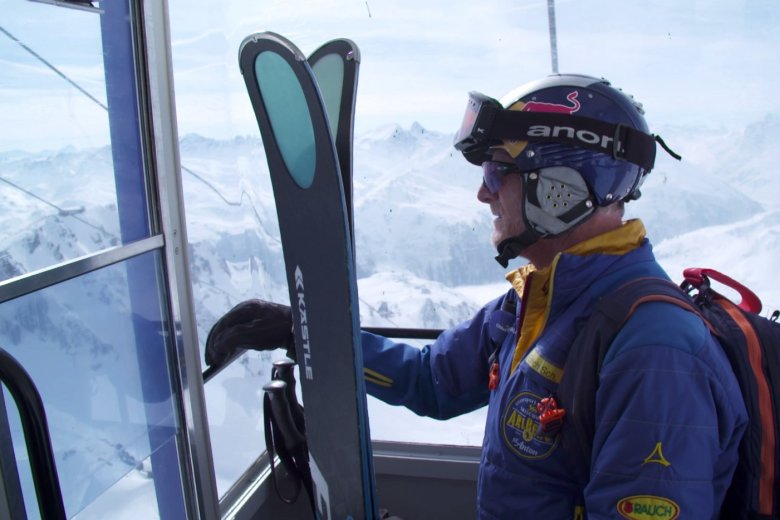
x: 81, y: 5
x: 48, y: 276
x: 152, y: 56
x: 165, y: 167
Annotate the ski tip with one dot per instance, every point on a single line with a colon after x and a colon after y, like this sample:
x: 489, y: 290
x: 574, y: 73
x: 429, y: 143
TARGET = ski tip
x: 262, y: 39
x: 345, y: 47
x: 354, y: 52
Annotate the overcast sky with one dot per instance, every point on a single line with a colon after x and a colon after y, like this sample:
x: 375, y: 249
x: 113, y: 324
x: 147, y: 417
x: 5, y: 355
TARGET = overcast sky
x: 698, y: 62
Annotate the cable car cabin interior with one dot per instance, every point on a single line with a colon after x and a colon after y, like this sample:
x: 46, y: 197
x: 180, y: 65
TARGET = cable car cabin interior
x: 137, y: 210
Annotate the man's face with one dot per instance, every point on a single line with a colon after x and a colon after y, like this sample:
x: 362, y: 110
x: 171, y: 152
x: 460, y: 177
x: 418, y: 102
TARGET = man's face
x: 505, y: 203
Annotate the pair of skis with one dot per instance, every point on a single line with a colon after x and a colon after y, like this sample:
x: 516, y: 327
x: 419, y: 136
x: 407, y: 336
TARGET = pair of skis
x: 305, y: 111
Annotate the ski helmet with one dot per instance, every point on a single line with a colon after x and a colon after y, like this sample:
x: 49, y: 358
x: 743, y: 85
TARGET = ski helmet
x: 579, y: 142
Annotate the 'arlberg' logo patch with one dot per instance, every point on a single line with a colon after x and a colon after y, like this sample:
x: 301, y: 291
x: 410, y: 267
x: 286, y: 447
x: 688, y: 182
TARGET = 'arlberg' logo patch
x: 521, y: 428
x: 648, y: 507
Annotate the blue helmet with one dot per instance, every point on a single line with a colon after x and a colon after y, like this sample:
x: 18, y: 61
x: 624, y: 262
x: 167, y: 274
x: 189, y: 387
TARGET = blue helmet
x: 579, y: 143
x: 609, y: 179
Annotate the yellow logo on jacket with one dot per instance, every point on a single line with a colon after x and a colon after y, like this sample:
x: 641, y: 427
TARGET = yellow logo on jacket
x: 648, y: 507
x: 657, y: 456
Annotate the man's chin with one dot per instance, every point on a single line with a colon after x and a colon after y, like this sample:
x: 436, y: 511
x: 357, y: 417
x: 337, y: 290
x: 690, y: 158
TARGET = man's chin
x: 497, y: 238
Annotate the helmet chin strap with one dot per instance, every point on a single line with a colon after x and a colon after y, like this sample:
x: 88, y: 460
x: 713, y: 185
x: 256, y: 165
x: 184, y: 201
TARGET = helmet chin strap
x: 510, y: 248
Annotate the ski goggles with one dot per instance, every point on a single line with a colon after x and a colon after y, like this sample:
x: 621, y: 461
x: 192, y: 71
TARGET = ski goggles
x: 474, y: 137
x: 493, y: 174
x: 486, y: 124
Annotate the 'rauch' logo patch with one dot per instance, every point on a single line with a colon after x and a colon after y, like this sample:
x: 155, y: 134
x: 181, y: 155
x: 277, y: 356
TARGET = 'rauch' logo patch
x: 646, y: 507
x: 521, y: 428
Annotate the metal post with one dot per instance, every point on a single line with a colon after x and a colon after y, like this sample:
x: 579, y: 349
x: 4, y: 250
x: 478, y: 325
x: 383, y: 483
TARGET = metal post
x: 118, y: 23
x: 553, y: 37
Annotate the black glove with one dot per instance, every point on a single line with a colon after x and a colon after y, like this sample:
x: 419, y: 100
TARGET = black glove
x: 252, y: 324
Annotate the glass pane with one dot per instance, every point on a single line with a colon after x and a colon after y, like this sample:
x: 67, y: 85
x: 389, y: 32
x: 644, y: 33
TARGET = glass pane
x: 57, y: 163
x: 235, y: 254
x: 288, y: 113
x: 236, y: 423
x: 97, y: 349
x: 135, y: 492
x: 422, y: 239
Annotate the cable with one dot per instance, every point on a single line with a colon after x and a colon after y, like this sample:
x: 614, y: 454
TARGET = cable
x: 52, y: 67
x: 63, y: 212
x: 231, y: 203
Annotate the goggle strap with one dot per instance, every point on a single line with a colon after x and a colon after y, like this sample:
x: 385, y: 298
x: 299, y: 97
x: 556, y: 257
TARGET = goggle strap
x: 620, y: 141
x: 666, y: 148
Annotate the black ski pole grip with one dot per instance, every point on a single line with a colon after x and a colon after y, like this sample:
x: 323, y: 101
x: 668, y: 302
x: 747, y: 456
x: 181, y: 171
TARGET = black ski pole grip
x: 280, y: 407
x: 284, y: 370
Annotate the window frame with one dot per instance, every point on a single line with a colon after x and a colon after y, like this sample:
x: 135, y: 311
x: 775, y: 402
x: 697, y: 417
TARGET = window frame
x: 155, y: 123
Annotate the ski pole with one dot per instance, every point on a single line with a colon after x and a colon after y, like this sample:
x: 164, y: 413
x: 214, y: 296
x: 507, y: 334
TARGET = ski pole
x: 292, y: 439
x: 283, y: 370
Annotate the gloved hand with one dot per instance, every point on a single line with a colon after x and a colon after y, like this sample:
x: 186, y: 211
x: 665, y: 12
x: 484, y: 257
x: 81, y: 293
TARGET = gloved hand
x: 252, y: 324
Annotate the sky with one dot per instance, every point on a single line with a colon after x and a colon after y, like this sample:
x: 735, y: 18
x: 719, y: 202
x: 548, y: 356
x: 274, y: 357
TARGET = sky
x: 420, y: 61
x: 699, y: 63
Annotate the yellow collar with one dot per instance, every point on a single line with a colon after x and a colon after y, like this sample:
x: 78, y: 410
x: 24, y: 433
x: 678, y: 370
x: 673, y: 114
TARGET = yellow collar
x: 540, y: 281
x: 616, y: 242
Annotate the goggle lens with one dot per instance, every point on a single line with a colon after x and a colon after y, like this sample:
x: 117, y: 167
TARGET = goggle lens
x: 472, y: 137
x: 464, y: 135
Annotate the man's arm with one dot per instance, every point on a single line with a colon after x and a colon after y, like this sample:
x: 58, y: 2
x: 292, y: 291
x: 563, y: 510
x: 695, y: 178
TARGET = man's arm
x: 669, y: 418
x: 441, y: 380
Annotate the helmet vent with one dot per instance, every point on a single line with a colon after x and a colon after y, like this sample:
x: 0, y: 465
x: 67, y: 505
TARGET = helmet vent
x: 557, y: 198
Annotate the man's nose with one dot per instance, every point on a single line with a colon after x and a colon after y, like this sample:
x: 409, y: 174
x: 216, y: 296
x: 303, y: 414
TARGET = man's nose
x: 484, y: 194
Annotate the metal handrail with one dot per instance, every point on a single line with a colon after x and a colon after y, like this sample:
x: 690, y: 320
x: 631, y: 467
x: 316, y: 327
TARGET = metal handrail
x: 36, y: 435
x: 388, y: 332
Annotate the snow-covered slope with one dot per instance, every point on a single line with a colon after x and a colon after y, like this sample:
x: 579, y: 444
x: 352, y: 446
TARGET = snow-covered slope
x: 416, y: 213
x: 423, y: 252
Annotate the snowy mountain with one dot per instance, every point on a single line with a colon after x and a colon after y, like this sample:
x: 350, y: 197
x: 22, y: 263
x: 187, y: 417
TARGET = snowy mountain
x: 720, y: 206
x: 422, y: 244
x: 419, y: 225
x: 408, y: 222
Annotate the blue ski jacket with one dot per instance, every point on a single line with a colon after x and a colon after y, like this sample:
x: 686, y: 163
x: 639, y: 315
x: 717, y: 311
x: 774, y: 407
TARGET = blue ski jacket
x: 669, y: 412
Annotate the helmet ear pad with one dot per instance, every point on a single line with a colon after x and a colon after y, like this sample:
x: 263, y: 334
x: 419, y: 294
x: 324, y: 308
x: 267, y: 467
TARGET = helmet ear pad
x: 556, y: 199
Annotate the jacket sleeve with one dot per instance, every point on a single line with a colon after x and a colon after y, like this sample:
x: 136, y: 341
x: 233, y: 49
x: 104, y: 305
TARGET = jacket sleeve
x: 444, y: 379
x: 669, y: 418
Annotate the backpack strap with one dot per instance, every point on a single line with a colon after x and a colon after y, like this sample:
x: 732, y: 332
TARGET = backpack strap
x: 752, y: 345
x: 577, y: 390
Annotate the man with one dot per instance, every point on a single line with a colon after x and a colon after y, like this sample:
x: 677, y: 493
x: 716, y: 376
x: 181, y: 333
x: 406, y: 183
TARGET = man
x: 560, y: 158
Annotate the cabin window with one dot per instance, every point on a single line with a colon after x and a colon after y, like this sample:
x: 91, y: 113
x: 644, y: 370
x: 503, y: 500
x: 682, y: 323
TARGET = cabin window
x: 84, y: 302
x: 424, y: 258
x: 53, y: 108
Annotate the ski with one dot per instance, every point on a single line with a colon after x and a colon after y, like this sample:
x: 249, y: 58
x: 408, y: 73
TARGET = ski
x: 315, y: 228
x: 335, y: 65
